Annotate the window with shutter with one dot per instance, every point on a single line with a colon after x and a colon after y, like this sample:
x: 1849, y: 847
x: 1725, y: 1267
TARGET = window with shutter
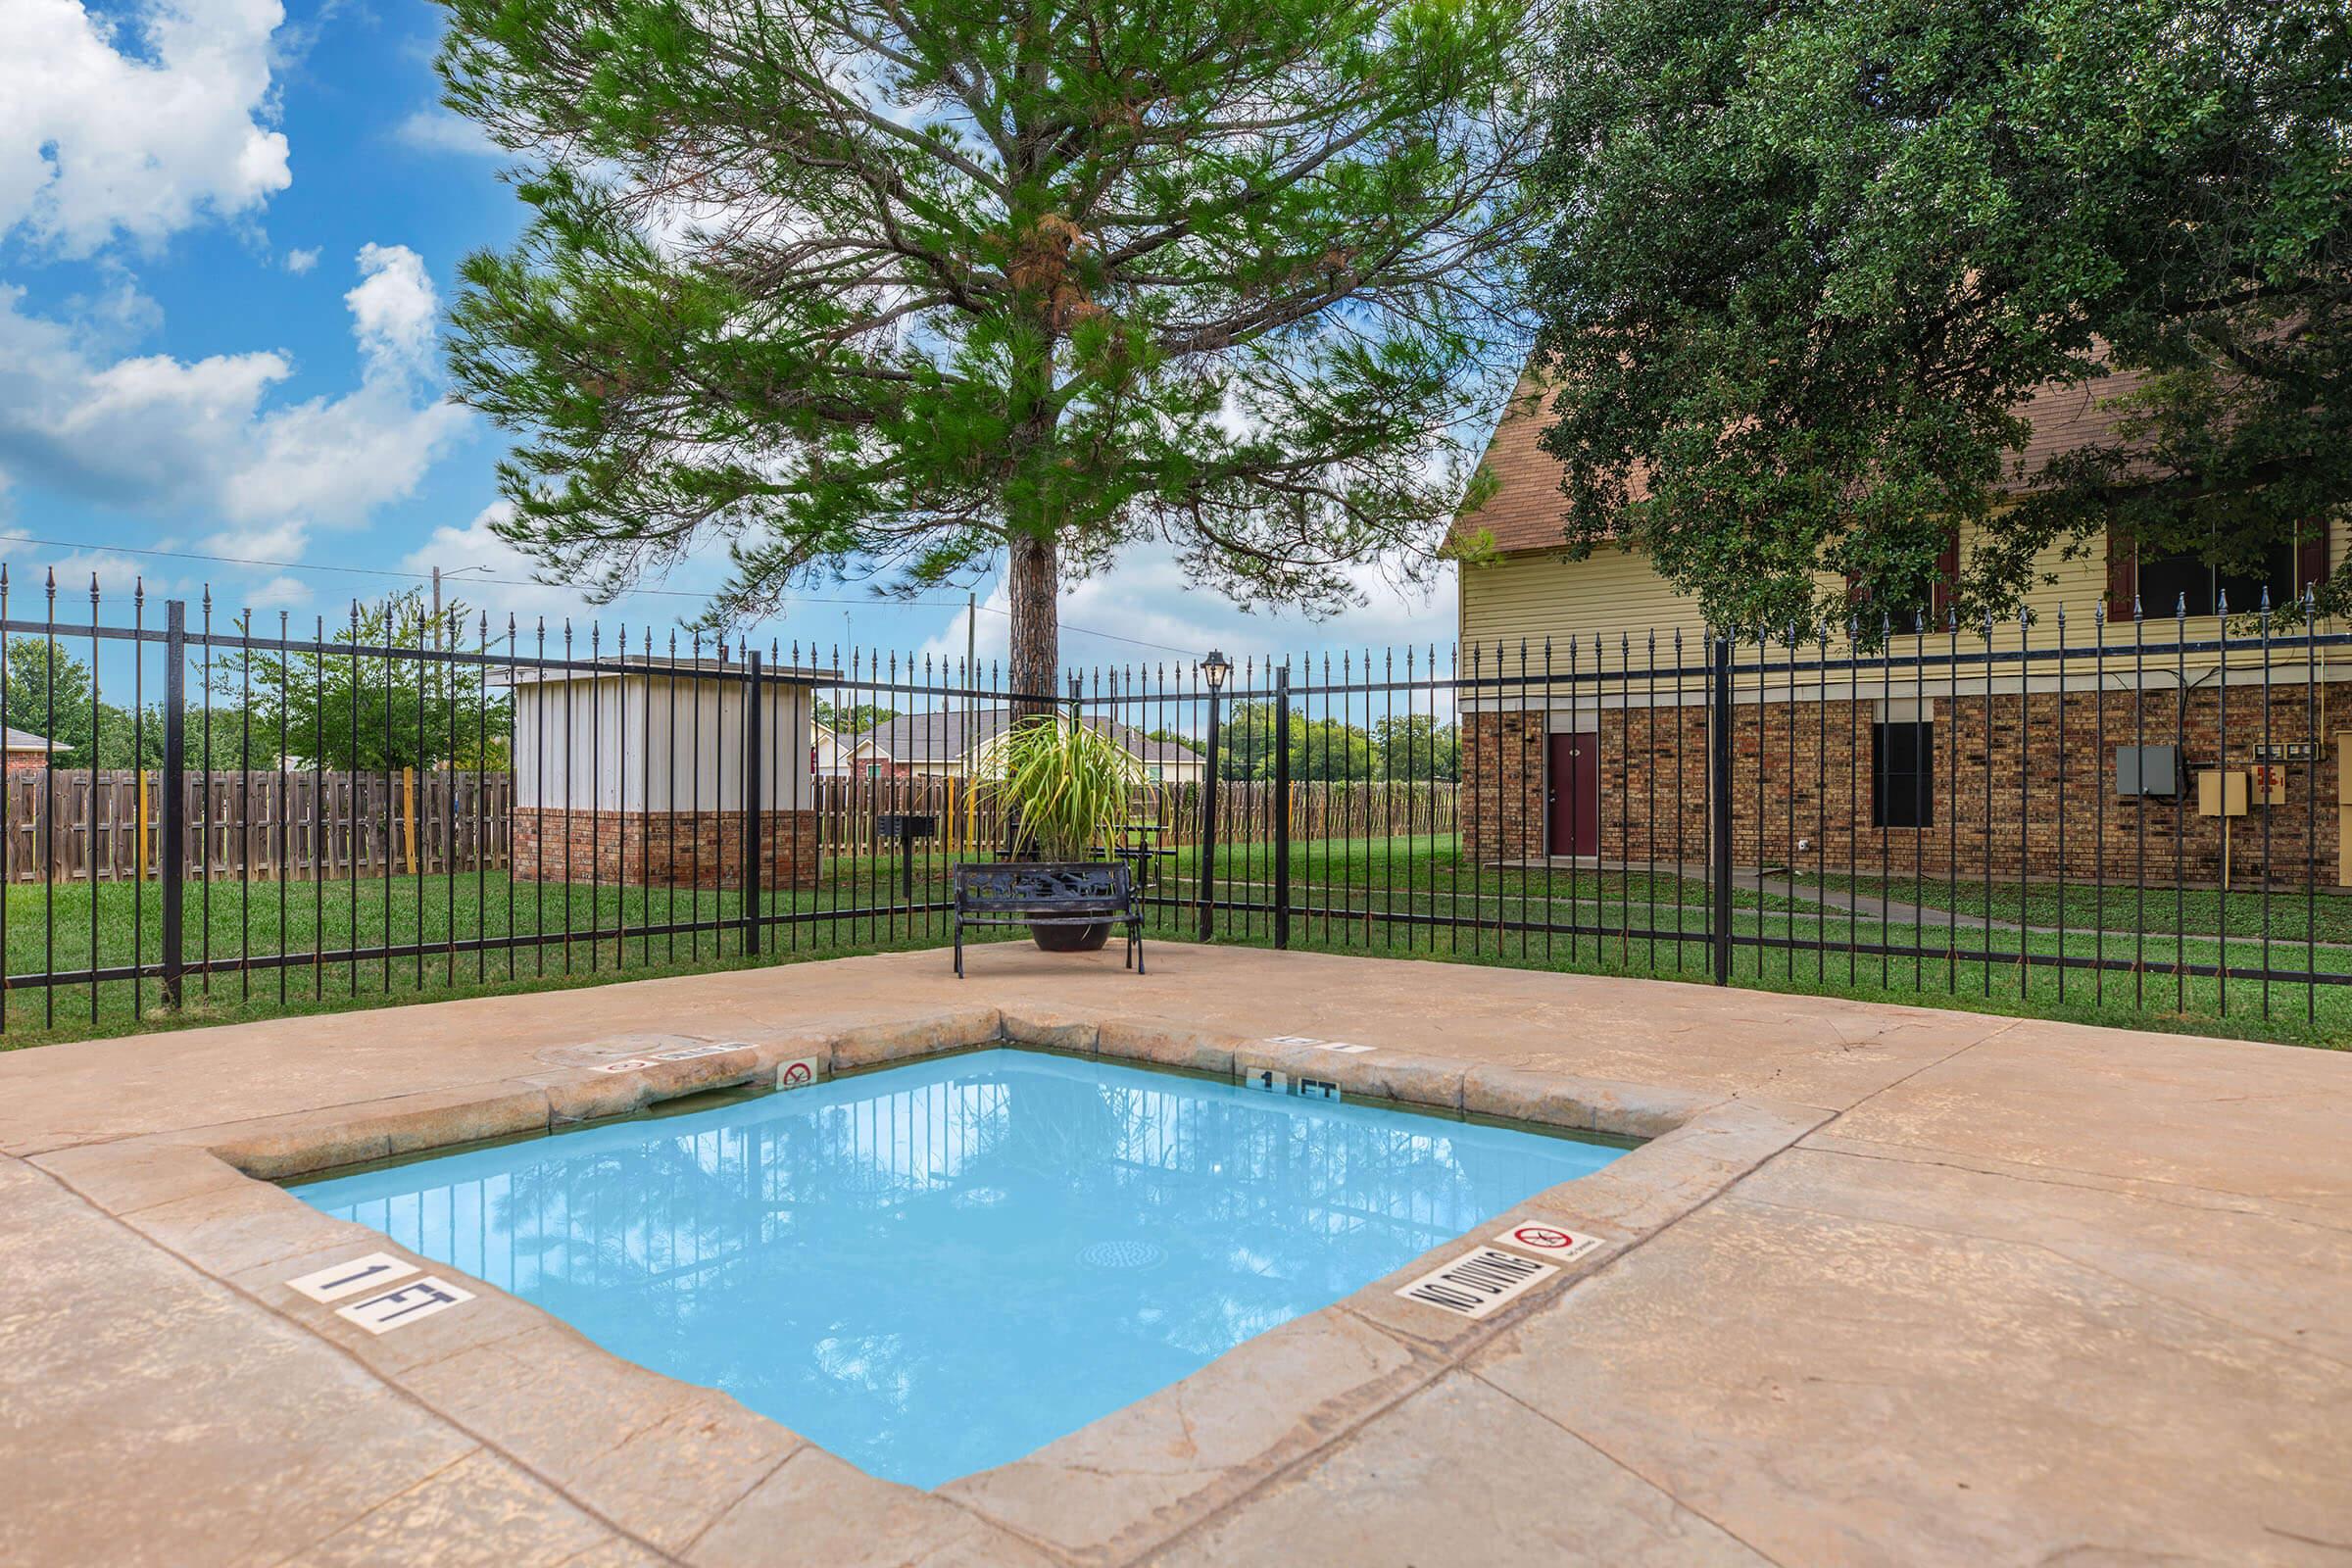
x: 2184, y: 582
x: 2123, y: 575
x: 1947, y: 578
x: 2311, y: 560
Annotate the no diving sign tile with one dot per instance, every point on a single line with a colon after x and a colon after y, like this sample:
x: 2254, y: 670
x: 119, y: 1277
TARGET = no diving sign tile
x: 1553, y: 1242
x: 1479, y: 1282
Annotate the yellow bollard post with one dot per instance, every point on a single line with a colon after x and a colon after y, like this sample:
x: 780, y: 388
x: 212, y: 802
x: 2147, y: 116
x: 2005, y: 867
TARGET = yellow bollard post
x: 140, y: 869
x: 408, y: 784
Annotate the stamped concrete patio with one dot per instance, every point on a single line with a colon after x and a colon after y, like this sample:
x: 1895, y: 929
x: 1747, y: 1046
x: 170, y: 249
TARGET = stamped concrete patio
x: 1890, y: 1286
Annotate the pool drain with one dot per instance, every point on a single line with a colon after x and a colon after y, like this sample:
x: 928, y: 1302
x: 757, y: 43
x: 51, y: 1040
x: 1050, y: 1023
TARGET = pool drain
x: 1121, y: 1254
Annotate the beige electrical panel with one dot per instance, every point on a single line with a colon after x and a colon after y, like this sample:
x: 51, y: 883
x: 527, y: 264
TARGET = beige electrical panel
x: 2269, y: 783
x: 2343, y: 808
x: 2221, y: 792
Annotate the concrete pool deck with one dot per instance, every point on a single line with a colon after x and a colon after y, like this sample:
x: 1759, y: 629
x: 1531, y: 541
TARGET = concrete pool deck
x: 1891, y: 1286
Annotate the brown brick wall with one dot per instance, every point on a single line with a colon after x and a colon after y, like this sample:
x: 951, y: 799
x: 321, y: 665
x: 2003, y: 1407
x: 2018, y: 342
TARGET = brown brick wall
x: 687, y: 850
x: 1801, y: 772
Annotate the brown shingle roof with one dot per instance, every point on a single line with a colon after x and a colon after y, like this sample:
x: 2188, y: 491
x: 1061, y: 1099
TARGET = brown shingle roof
x: 1526, y: 510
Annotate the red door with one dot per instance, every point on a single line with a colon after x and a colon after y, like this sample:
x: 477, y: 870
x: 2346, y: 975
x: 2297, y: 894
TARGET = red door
x: 1572, y: 794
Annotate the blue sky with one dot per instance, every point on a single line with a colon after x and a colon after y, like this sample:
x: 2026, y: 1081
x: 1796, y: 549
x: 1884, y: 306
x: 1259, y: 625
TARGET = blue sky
x: 228, y: 228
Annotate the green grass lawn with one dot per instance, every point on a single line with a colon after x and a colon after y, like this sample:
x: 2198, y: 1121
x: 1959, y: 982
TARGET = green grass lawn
x: 1827, y: 958
x: 2327, y: 914
x: 1437, y: 864
x: 1361, y: 897
x: 1800, y: 944
x: 592, y: 933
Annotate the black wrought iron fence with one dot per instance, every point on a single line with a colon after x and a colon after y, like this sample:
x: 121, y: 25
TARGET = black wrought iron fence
x: 2136, y: 819
x: 222, y: 815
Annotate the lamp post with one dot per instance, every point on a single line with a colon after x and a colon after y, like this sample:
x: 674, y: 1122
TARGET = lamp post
x: 1213, y: 669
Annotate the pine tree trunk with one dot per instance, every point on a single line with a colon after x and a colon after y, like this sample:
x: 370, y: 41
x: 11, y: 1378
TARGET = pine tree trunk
x: 1036, y: 656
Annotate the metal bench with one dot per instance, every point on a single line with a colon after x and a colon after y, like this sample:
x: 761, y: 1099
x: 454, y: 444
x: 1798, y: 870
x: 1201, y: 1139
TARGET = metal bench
x: 1014, y: 892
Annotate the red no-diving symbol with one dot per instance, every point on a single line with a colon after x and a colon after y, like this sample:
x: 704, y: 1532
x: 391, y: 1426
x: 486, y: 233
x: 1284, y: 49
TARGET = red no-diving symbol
x: 797, y: 1073
x: 1542, y: 1236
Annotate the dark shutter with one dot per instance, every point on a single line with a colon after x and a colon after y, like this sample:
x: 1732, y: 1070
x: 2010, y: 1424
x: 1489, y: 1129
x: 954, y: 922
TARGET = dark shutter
x: 2123, y: 575
x: 2311, y: 560
x: 1948, y: 577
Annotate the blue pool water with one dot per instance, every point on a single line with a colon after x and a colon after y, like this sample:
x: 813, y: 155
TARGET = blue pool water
x: 940, y: 1268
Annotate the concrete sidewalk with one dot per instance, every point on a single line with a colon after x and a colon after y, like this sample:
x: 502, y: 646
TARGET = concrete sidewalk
x: 1995, y: 1291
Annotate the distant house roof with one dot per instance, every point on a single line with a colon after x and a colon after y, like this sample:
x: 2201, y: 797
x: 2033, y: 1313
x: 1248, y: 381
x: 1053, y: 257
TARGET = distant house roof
x: 1528, y: 511
x: 947, y: 735
x: 22, y: 740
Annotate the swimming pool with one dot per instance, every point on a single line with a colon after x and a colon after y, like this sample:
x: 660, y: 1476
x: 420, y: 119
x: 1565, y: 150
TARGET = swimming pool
x: 940, y: 1268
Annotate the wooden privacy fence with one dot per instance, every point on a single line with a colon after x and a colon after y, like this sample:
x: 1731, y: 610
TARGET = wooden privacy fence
x: 72, y: 825
x: 846, y: 809
x: 443, y: 821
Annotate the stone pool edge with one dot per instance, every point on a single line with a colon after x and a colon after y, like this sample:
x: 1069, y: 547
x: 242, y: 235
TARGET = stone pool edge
x: 698, y: 1478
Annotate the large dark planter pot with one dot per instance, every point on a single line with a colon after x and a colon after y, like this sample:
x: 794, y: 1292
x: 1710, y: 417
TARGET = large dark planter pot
x: 1071, y: 937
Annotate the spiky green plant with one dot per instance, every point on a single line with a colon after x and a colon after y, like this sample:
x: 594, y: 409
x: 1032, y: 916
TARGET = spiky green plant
x: 1067, y: 783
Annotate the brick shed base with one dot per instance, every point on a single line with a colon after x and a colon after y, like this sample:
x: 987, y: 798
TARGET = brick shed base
x: 659, y: 848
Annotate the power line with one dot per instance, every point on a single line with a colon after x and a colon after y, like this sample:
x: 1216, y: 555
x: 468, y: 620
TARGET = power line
x: 526, y: 582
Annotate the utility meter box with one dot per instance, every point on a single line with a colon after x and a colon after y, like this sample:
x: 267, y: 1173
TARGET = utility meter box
x: 2221, y: 792
x: 2153, y: 769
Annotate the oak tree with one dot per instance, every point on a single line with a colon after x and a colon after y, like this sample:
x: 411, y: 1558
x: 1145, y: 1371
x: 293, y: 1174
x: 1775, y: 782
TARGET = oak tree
x: 1812, y: 255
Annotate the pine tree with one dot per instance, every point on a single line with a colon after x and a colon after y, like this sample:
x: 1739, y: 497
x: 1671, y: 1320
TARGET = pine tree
x: 907, y: 288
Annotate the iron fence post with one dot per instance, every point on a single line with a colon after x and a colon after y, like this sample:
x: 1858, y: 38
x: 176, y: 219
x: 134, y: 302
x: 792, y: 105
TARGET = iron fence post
x: 752, y: 796
x: 1208, y: 828
x: 1719, y: 804
x: 173, y: 849
x: 1282, y: 806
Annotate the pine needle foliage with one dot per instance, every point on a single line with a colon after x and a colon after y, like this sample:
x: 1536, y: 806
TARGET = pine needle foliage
x: 902, y: 290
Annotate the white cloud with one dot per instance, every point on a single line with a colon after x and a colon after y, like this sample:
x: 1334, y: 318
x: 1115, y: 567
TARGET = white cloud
x: 491, y: 575
x: 437, y: 131
x: 280, y: 592
x: 392, y: 310
x: 166, y: 436
x: 302, y: 261
x: 271, y: 542
x: 1145, y: 615
x: 119, y: 576
x: 102, y: 135
x: 513, y: 590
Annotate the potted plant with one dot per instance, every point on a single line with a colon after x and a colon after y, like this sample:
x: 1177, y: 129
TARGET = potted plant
x: 1065, y: 787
